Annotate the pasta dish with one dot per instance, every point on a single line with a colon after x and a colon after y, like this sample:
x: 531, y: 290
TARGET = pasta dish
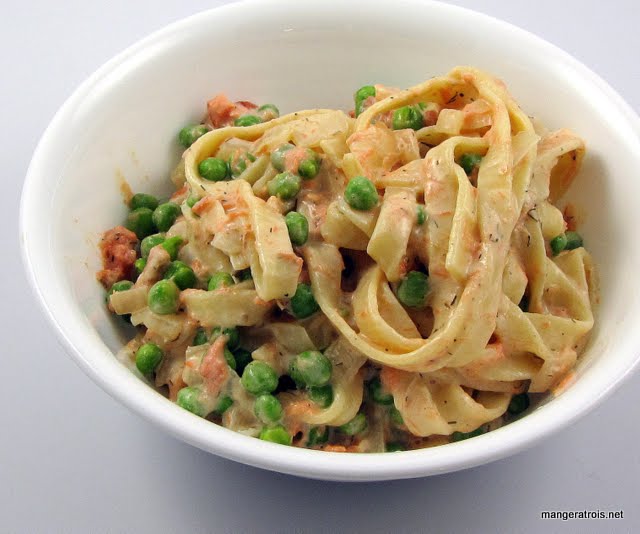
x: 392, y: 278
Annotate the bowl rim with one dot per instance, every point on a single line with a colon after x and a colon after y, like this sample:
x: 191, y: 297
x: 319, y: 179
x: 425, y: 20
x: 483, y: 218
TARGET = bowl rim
x: 139, y: 397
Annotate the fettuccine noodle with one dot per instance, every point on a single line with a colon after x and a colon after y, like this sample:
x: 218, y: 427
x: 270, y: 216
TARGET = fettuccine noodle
x: 394, y: 278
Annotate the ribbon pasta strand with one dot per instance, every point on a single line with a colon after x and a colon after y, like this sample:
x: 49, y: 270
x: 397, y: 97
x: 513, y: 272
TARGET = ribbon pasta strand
x: 465, y: 197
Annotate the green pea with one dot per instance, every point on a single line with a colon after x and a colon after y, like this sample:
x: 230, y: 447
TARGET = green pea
x: 394, y: 447
x: 122, y: 285
x: 163, y: 297
x: 173, y: 268
x: 188, y: 398
x: 298, y: 227
x: 469, y: 162
x: 238, y: 163
x: 189, y: 134
x: 574, y: 240
x: 244, y: 275
x: 278, y: 155
x: 172, y: 245
x: 181, y: 274
x: 396, y: 416
x: 357, y: 425
x: 268, y: 409
x: 267, y: 107
x: 378, y: 393
x: 149, y: 242
x: 140, y: 221
x: 519, y: 403
x: 223, y: 405
x: 191, y: 201
x: 322, y: 395
x: 303, y: 303
x: 232, y: 333
x: 243, y: 358
x: 361, y: 194
x: 165, y: 215
x: 407, y: 117
x: 213, y: 169
x: 311, y: 368
x: 558, y: 244
x: 285, y: 185
x: 309, y: 167
x: 220, y: 279
x: 142, y: 200
x: 460, y: 436
x: 421, y: 215
x: 268, y: 112
x: 259, y: 377
x: 276, y: 434
x: 228, y: 356
x: 139, y: 265
x: 200, y: 338
x: 247, y: 120
x: 318, y: 435
x: 361, y: 95
x: 412, y: 290
x: 148, y: 357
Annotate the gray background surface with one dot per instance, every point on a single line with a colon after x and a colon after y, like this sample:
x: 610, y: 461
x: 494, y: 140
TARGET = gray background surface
x: 74, y: 460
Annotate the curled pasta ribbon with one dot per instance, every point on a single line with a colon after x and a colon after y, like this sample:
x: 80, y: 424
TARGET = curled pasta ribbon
x: 305, y: 128
x: 485, y: 250
x: 236, y: 228
x: 347, y: 387
x: 547, y: 339
x: 432, y: 406
x: 347, y: 384
x: 485, y: 218
x: 500, y: 317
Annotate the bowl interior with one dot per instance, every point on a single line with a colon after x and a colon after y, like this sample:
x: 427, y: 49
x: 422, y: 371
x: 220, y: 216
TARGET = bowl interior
x: 122, y: 125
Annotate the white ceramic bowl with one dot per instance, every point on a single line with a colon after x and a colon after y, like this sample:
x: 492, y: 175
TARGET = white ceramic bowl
x: 123, y: 121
